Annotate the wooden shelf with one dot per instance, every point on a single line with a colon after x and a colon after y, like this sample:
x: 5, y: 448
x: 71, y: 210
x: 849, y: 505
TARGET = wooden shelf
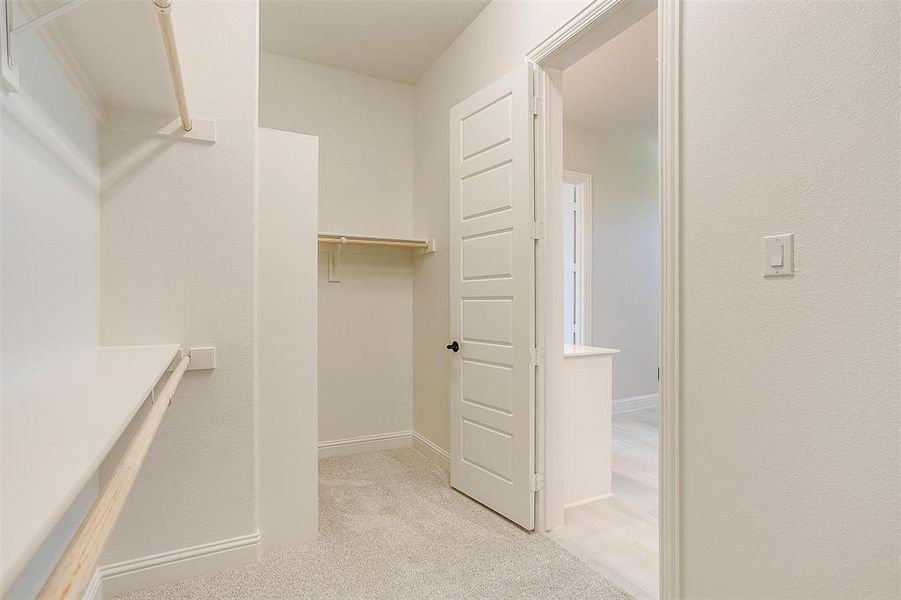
x: 371, y: 240
x: 337, y: 241
x: 56, y: 430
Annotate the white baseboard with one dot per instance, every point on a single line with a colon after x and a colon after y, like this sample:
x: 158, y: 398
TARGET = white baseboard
x: 587, y: 501
x: 622, y: 405
x: 149, y: 571
x: 94, y: 590
x: 366, y: 443
x: 432, y: 450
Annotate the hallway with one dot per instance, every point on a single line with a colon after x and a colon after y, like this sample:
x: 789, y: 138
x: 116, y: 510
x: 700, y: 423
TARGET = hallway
x: 618, y: 536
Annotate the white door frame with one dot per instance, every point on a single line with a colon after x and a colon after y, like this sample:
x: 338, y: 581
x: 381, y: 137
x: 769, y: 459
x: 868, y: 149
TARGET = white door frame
x: 583, y: 252
x: 572, y: 41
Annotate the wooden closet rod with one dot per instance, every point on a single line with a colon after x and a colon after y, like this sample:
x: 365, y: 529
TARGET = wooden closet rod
x: 361, y: 241
x: 76, y: 566
x: 164, y: 12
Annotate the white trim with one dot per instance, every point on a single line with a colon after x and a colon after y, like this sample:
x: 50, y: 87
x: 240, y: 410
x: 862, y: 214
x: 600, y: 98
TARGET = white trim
x: 624, y: 405
x: 572, y: 30
x: 583, y: 181
x: 557, y: 51
x: 432, y: 450
x: 588, y: 501
x: 669, y: 165
x: 365, y: 443
x: 94, y: 591
x: 157, y: 569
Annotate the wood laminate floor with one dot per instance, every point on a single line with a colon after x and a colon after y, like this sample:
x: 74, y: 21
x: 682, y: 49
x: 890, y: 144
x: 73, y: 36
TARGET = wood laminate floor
x: 618, y: 536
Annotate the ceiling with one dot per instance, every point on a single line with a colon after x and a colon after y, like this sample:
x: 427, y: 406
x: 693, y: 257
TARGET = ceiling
x: 613, y: 90
x: 391, y: 39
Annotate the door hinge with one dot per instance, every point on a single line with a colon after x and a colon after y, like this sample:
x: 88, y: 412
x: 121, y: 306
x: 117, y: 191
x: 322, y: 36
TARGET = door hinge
x: 537, y: 230
x: 537, y: 355
x: 535, y: 105
x: 536, y: 482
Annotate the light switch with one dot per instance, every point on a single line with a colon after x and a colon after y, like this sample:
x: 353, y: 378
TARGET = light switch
x: 778, y: 255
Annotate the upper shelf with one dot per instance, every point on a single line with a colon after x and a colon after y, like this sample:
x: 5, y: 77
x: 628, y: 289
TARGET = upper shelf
x: 369, y: 240
x: 56, y: 431
x: 339, y: 240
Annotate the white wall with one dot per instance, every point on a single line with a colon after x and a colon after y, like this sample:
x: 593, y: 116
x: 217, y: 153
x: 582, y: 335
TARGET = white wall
x: 287, y: 363
x: 790, y: 452
x: 790, y: 425
x: 625, y: 263
x: 494, y: 44
x: 178, y: 251
x: 50, y: 215
x: 365, y: 127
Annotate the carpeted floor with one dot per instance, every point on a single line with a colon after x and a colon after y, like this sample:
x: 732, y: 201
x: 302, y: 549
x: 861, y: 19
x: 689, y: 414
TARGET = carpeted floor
x: 391, y: 527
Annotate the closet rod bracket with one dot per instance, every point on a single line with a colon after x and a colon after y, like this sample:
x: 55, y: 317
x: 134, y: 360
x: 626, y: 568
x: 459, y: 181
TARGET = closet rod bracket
x: 334, y: 260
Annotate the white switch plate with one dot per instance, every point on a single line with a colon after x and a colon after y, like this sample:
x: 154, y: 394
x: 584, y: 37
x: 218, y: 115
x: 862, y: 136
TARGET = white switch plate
x: 779, y: 255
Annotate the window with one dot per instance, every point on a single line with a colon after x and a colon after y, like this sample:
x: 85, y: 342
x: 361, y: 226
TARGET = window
x: 576, y: 258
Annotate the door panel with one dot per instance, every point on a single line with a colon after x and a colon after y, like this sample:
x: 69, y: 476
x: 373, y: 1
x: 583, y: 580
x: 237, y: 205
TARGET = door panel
x: 492, y: 298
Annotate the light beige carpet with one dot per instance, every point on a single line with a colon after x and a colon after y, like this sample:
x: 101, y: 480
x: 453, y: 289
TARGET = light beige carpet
x: 391, y: 527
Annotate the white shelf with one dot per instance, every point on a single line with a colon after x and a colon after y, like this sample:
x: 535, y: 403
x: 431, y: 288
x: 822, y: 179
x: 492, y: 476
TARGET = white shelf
x: 56, y: 431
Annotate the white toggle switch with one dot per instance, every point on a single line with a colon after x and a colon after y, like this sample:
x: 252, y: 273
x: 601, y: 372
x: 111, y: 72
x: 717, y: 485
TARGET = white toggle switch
x: 778, y: 255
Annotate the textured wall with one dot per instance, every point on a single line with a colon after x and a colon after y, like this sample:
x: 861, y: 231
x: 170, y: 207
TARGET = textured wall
x: 177, y: 234
x: 495, y: 43
x: 365, y: 128
x: 51, y: 216
x: 790, y: 451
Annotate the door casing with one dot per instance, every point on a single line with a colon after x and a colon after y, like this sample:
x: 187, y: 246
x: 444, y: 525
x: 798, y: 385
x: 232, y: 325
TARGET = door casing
x: 598, y: 22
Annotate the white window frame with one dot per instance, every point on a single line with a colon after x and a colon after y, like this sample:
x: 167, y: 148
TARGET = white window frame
x: 582, y: 181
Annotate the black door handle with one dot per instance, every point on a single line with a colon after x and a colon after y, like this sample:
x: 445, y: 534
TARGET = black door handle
x: 454, y: 346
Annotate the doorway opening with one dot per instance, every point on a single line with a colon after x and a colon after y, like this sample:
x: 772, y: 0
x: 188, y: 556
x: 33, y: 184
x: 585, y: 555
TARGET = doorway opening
x: 609, y: 278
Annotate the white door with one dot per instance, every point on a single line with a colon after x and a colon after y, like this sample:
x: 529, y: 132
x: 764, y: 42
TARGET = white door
x: 492, y: 257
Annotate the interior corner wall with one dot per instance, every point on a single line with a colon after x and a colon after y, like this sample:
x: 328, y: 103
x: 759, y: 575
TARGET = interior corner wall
x: 365, y: 130
x: 790, y: 385
x: 494, y: 44
x: 50, y: 218
x: 625, y: 272
x: 177, y: 253
x: 49, y: 241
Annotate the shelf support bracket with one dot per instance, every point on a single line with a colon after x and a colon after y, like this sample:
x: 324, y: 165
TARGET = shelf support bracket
x: 334, y: 261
